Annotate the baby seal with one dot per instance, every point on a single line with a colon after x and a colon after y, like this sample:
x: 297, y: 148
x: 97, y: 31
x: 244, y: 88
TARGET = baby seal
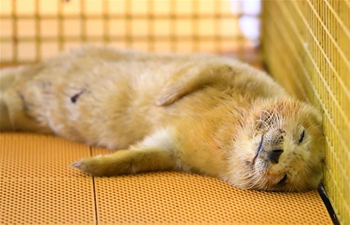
x: 196, y: 113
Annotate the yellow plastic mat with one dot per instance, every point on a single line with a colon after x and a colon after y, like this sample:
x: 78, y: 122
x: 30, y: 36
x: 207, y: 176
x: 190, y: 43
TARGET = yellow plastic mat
x: 38, y: 187
x: 36, y: 184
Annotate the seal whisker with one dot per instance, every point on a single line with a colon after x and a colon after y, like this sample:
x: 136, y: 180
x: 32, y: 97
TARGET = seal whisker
x: 257, y: 178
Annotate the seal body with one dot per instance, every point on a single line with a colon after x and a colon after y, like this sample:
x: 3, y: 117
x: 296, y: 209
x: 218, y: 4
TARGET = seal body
x: 196, y: 113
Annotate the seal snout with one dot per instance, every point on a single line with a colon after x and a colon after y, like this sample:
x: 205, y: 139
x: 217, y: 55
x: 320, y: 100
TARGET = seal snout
x: 274, y: 142
x: 270, y: 146
x: 274, y: 155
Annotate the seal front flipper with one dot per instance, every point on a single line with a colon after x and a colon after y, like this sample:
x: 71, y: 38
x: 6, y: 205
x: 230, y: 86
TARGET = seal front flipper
x: 156, y: 152
x: 127, y: 162
x: 191, y: 78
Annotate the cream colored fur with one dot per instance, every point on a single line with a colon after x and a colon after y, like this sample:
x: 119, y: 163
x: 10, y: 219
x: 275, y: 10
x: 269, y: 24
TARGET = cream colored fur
x: 197, y: 113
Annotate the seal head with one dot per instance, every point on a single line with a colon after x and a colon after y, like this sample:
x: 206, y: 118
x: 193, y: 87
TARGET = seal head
x: 281, y: 147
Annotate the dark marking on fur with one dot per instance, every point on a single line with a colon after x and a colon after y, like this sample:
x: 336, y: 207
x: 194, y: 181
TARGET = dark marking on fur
x: 75, y: 97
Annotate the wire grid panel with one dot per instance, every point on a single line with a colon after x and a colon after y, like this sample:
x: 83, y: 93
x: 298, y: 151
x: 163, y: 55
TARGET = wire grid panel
x: 308, y: 50
x: 35, y: 29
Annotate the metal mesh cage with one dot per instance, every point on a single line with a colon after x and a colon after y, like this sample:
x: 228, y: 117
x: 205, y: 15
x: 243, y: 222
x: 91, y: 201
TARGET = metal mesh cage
x: 308, y: 50
x: 35, y: 29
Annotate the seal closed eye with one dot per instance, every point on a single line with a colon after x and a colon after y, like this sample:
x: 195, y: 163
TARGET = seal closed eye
x: 302, y: 135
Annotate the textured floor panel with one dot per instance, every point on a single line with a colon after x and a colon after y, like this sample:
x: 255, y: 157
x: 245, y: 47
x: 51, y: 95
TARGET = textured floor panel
x: 179, y: 198
x: 38, y: 187
x: 36, y: 184
x: 38, y: 156
x: 46, y: 201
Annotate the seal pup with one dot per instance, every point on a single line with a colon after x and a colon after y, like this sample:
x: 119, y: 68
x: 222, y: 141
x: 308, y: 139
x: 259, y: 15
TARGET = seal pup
x: 197, y: 113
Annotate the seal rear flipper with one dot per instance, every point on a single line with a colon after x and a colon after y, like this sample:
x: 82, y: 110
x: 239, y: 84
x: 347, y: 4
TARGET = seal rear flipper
x: 7, y: 78
x: 127, y: 162
x: 14, y: 113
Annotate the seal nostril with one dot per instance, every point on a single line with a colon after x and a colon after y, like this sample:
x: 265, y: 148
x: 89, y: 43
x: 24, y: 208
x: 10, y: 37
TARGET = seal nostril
x: 274, y: 155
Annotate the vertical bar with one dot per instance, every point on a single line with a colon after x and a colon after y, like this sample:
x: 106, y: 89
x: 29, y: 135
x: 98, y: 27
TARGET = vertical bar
x: 150, y: 23
x: 37, y: 32
x: 83, y: 21
x: 218, y: 19
x: 106, y: 20
x: 14, y: 32
x: 195, y: 25
x: 128, y: 23
x: 60, y: 25
x: 173, y: 37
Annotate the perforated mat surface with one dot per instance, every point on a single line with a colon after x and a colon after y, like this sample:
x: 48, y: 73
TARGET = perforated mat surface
x: 38, y: 187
